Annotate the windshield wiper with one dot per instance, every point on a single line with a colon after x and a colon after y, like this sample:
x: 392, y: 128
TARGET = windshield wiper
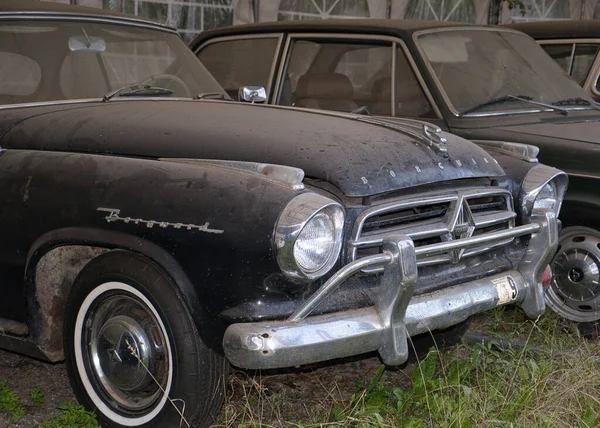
x: 575, y: 101
x: 137, y: 91
x: 505, y: 98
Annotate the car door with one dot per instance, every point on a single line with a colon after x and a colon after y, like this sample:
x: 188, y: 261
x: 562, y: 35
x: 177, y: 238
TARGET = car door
x: 247, y: 60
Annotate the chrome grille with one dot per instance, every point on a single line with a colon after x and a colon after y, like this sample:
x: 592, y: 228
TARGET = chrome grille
x: 431, y: 219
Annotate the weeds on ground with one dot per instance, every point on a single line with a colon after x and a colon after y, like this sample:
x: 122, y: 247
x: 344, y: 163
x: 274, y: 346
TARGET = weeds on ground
x: 37, y: 397
x: 10, y: 403
x: 73, y: 416
x: 551, y: 380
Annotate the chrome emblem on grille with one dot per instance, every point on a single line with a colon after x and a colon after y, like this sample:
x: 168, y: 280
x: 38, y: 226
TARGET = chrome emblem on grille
x: 461, y: 224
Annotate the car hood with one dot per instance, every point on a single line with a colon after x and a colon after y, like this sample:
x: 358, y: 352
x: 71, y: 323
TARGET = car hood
x: 584, y: 130
x: 360, y: 159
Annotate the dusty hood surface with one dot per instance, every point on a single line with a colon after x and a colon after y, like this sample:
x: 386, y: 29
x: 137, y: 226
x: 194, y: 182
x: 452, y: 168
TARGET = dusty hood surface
x: 360, y: 159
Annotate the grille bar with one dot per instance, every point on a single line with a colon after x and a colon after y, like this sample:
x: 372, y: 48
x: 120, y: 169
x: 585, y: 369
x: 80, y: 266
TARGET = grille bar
x: 435, y: 219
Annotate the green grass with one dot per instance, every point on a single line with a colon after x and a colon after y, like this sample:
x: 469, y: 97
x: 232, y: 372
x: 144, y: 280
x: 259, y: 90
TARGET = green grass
x: 37, y: 397
x: 73, y: 416
x: 10, y: 403
x: 552, y: 379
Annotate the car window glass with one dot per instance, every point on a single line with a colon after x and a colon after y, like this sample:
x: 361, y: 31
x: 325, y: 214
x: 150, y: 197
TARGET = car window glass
x: 237, y: 63
x: 561, y: 53
x: 338, y: 76
x: 302, y: 56
x: 410, y: 98
x: 19, y: 75
x: 43, y: 61
x: 475, y: 67
x: 123, y: 63
x: 585, y: 54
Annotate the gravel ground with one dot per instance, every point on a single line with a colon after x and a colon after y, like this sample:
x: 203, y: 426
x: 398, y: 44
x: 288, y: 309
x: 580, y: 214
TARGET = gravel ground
x: 23, y: 375
x: 272, y: 397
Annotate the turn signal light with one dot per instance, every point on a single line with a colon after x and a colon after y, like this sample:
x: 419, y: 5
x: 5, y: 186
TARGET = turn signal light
x: 547, y: 277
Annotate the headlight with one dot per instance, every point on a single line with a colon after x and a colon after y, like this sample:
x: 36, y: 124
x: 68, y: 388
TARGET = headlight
x: 308, y: 236
x: 543, y: 189
x: 547, y: 198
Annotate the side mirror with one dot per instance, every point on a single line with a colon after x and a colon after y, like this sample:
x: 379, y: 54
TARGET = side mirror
x: 252, y: 94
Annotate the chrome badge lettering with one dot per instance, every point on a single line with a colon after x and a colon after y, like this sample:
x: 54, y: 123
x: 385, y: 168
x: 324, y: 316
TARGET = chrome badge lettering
x: 113, y: 216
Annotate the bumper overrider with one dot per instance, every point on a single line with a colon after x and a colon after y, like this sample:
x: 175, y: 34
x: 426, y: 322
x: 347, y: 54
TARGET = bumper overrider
x: 396, y: 314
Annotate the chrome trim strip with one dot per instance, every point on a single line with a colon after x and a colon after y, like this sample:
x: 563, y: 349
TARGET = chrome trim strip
x: 571, y: 59
x: 572, y: 174
x: 99, y: 100
x: 393, y: 79
x: 566, y: 41
x: 442, y: 247
x: 106, y: 19
x: 279, y: 37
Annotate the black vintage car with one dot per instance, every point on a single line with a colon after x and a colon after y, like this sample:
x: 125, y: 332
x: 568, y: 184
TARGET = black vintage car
x: 492, y: 85
x: 574, y: 45
x: 153, y: 234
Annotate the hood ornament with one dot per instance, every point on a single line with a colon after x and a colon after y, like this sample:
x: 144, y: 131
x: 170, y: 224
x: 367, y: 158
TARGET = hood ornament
x: 424, y: 133
x: 437, y: 141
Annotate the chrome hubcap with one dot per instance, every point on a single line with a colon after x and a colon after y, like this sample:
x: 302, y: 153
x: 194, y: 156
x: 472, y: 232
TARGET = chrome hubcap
x: 575, y: 289
x: 127, y: 352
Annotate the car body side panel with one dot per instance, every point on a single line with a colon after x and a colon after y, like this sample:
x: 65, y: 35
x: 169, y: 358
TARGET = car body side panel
x: 53, y: 198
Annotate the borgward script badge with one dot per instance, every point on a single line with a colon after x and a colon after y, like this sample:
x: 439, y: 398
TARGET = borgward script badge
x: 113, y: 216
x: 461, y: 225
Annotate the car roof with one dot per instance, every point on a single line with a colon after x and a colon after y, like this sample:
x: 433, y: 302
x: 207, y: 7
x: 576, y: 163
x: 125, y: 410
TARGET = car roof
x: 393, y: 27
x: 36, y: 7
x: 567, y: 29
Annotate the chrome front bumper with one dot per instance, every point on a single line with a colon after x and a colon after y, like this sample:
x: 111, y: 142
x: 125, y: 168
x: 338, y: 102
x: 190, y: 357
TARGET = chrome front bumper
x: 397, y: 314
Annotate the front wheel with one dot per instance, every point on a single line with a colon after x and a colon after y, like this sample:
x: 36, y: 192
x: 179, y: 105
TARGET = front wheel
x: 133, y: 353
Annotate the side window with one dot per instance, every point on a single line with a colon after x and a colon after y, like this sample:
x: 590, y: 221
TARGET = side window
x: 560, y: 53
x: 341, y: 76
x: 236, y: 63
x: 20, y: 76
x: 410, y: 98
x: 577, y: 60
x: 582, y: 61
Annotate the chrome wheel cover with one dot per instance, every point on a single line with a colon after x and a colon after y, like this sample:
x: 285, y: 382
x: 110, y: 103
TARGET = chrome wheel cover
x: 574, y: 292
x: 123, y: 354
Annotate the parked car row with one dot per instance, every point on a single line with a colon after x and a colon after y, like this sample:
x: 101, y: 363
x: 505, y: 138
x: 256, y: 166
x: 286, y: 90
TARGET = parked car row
x: 156, y: 231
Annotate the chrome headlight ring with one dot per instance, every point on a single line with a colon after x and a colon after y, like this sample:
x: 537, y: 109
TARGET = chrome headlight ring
x: 308, y: 236
x: 543, y: 189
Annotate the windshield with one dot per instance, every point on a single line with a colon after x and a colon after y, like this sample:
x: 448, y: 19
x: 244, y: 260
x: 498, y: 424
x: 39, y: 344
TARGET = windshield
x: 475, y: 67
x: 50, y: 61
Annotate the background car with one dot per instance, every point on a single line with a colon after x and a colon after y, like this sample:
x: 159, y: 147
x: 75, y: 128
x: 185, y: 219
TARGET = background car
x: 573, y: 45
x: 492, y: 85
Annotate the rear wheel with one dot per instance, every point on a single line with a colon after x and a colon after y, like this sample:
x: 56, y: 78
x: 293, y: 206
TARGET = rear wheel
x: 133, y: 353
x: 574, y: 292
